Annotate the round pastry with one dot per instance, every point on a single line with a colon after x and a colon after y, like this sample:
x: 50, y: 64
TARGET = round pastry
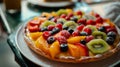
x: 69, y: 36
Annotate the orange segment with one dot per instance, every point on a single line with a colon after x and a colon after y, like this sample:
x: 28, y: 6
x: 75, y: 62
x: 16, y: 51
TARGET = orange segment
x: 54, y: 49
x: 75, y: 39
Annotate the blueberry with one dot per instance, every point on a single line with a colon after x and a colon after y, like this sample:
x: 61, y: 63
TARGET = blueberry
x: 83, y: 34
x: 75, y: 19
x: 70, y: 31
x: 102, y: 29
x: 63, y: 47
x: 50, y: 40
x: 43, y: 29
x: 111, y: 34
x: 50, y: 18
x: 83, y: 42
x: 110, y: 40
x: 65, y: 28
x: 55, y: 30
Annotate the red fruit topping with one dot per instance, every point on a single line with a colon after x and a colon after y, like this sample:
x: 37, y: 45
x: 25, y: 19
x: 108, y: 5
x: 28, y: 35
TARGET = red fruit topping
x: 46, y: 34
x: 54, y: 19
x: 70, y: 14
x: 62, y: 39
x: 76, y: 33
x: 33, y: 28
x: 59, y: 25
x: 107, y: 27
x: 67, y: 18
x: 80, y: 27
x: 50, y: 27
x: 88, y: 30
x: 82, y: 21
x: 34, y: 22
x: 83, y: 49
x: 111, y: 29
x: 89, y: 38
x: 97, y: 15
x: 90, y: 22
x: 65, y: 33
x: 63, y: 16
x: 99, y: 20
x: 79, y: 12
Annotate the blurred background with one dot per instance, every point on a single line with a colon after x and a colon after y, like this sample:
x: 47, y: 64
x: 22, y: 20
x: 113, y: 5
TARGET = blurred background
x: 14, y: 12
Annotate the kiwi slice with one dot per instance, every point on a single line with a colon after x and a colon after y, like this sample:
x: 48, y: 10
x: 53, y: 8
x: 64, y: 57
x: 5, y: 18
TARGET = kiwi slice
x: 98, y: 46
x: 88, y: 17
x: 93, y: 28
x: 99, y: 35
x: 70, y: 24
x: 61, y: 11
x: 61, y: 20
x: 47, y: 23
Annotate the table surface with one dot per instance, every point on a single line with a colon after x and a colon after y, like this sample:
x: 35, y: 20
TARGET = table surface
x: 28, y: 11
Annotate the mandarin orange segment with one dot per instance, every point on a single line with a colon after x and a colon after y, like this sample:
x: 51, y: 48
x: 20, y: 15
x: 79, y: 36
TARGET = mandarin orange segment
x: 35, y: 35
x: 74, y: 50
x: 75, y: 39
x: 54, y: 49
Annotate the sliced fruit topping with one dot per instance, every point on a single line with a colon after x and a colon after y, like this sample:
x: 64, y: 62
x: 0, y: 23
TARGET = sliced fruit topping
x: 90, y: 22
x: 89, y: 17
x: 70, y: 24
x: 74, y: 50
x: 35, y: 35
x: 83, y: 42
x: 46, y: 34
x: 34, y: 22
x: 80, y: 28
x: 63, y: 16
x: 87, y: 30
x: 93, y: 28
x: 79, y: 12
x: 102, y: 29
x: 63, y: 47
x: 99, y: 35
x: 65, y: 28
x: 83, y: 33
x: 75, y: 39
x: 83, y: 49
x: 111, y: 34
x: 74, y: 18
x: 34, y: 28
x: 61, y: 20
x: 98, y: 46
x: 89, y: 38
x: 46, y: 24
x: 111, y: 29
x: 99, y: 20
x: 62, y: 39
x: 59, y: 25
x: 82, y: 21
x: 54, y: 49
x: 50, y: 40
x: 65, y: 33
x: 61, y: 11
x: 76, y: 33
x: 43, y: 29
x: 55, y: 30
x: 110, y: 40
x: 70, y: 15
x: 50, y: 27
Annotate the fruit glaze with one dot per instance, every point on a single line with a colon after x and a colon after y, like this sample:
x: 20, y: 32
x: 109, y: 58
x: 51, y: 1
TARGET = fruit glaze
x: 72, y: 36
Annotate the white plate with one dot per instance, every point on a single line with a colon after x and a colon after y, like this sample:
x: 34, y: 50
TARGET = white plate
x: 51, y: 4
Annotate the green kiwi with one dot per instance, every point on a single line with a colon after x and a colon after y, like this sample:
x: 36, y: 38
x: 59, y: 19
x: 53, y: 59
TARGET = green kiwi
x: 61, y: 11
x: 99, y: 35
x: 93, y: 28
x: 88, y: 17
x: 61, y: 20
x: 47, y: 23
x: 98, y: 46
x: 70, y: 24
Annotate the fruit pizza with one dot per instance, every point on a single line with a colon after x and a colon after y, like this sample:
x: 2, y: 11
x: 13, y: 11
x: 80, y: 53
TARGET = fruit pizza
x: 72, y: 36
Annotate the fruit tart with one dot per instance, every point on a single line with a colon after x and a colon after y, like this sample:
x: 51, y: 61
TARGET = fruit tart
x: 72, y: 36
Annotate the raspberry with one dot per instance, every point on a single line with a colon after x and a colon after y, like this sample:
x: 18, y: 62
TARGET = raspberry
x: 67, y: 18
x: 46, y: 34
x: 89, y: 38
x: 54, y: 19
x: 70, y: 14
x: 90, y: 22
x: 88, y: 30
x: 99, y: 20
x: 76, y: 33
x: 62, y: 39
x: 59, y: 25
x: 80, y: 27
x: 65, y: 33
x: 50, y: 27
x: 79, y: 12
x: 97, y: 15
x: 63, y: 16
x: 81, y: 21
